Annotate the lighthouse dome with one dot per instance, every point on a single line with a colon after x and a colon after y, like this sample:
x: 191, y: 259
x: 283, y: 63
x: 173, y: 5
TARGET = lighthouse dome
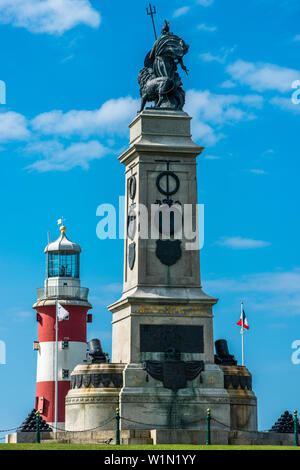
x: 63, y: 244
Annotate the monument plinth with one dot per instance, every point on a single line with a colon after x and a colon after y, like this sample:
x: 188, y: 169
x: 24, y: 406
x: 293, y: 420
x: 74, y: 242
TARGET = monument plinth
x: 161, y: 277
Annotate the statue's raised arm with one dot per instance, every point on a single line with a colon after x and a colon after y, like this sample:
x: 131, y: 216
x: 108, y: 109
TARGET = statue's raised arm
x: 159, y: 80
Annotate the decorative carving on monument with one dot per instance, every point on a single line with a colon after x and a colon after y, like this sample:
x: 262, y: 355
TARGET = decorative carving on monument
x: 101, y: 399
x: 241, y: 382
x: 86, y: 380
x: 168, y: 251
x: 131, y: 221
x: 78, y: 380
x: 96, y: 380
x: 159, y: 80
x: 173, y: 372
x: 113, y: 380
x: 168, y: 183
x: 131, y: 255
x: 170, y: 177
x: 132, y: 186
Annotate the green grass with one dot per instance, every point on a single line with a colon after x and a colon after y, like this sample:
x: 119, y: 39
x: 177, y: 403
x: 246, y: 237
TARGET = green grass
x: 111, y: 448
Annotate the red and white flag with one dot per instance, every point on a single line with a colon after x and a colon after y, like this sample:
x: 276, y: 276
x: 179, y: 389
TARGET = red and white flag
x: 243, y: 320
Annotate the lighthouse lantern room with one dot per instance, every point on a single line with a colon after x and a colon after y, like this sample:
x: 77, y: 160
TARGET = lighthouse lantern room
x: 62, y: 287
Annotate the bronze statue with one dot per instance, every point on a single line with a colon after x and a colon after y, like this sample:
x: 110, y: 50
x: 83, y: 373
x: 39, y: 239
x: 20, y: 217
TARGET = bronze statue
x: 159, y: 80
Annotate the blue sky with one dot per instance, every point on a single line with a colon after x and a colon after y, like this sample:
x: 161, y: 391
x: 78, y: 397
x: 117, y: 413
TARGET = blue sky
x: 71, y: 78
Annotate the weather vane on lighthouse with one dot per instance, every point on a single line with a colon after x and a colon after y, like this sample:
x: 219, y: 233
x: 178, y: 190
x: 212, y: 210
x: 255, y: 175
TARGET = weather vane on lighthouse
x: 61, y: 222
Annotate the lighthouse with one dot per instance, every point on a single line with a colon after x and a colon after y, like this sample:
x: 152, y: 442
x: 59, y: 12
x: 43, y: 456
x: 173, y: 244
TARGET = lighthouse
x: 58, y: 354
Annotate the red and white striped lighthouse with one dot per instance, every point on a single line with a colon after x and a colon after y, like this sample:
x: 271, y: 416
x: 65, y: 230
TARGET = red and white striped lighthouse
x: 62, y: 285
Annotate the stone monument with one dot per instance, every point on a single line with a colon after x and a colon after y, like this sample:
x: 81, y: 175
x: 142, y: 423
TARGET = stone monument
x: 162, y: 326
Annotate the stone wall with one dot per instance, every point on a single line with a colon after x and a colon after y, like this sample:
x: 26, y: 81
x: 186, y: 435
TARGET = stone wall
x: 158, y: 436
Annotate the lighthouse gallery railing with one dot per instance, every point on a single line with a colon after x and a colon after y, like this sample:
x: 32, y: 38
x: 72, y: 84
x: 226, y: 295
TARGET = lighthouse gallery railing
x: 63, y: 292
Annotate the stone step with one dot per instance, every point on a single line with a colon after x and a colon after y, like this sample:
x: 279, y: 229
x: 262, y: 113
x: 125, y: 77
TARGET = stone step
x: 74, y: 441
x: 55, y: 441
x: 127, y: 437
x: 136, y: 441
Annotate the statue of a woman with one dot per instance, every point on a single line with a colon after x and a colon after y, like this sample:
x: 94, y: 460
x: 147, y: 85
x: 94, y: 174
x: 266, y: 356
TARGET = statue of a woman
x: 167, y: 52
x: 159, y: 80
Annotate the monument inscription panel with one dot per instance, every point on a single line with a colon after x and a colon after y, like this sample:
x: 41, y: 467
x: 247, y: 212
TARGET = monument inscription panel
x: 159, y: 338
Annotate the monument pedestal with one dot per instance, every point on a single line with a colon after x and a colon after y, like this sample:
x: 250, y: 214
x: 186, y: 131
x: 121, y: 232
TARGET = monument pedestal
x: 146, y: 404
x: 162, y: 327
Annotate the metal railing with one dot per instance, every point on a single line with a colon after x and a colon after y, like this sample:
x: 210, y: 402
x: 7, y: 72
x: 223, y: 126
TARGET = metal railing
x: 62, y: 292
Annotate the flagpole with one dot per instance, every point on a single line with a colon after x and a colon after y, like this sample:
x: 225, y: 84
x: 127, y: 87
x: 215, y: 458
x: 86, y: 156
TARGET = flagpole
x: 242, y: 333
x: 56, y: 364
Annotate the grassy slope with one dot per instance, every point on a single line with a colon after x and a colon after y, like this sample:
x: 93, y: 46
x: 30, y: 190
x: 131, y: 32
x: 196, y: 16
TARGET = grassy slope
x: 149, y: 447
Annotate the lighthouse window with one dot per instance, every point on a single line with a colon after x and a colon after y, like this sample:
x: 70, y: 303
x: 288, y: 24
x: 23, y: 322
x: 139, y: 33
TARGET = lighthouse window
x: 65, y: 373
x: 63, y: 264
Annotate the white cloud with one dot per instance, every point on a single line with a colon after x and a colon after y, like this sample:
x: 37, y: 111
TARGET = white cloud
x: 25, y: 314
x: 13, y: 126
x: 206, y: 28
x: 263, y: 76
x: 277, y: 292
x: 268, y: 153
x: 205, y: 3
x: 181, y: 11
x: 221, y: 58
x: 67, y: 58
x: 209, y: 57
x: 261, y: 282
x: 240, y: 243
x: 205, y: 133
x: 57, y: 157
x: 221, y: 109
x: 285, y: 104
x: 48, y: 16
x: 258, y: 171
x: 217, y: 109
x: 115, y: 287
x: 113, y: 116
x: 211, y: 157
x: 228, y: 84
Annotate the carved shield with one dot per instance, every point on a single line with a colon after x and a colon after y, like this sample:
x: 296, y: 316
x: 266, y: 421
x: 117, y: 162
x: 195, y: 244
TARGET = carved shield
x: 105, y: 379
x: 86, y: 380
x: 78, y: 380
x: 73, y: 381
x: 131, y: 255
x: 168, y: 251
x: 132, y: 186
x: 96, y: 379
x: 235, y: 380
x: 174, y: 375
x: 117, y: 380
x: 131, y: 222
